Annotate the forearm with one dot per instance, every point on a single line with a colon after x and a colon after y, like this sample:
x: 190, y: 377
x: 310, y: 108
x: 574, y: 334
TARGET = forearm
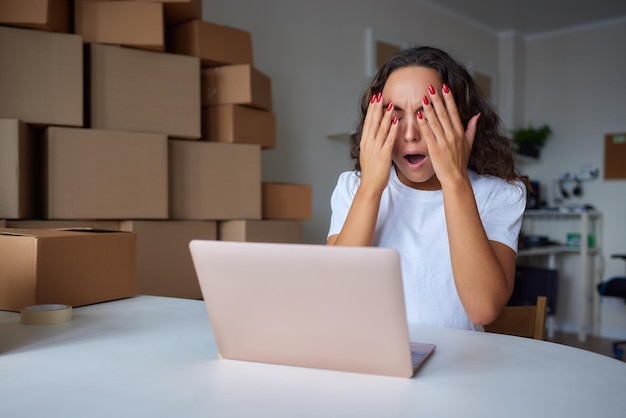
x: 360, y: 224
x: 483, y: 276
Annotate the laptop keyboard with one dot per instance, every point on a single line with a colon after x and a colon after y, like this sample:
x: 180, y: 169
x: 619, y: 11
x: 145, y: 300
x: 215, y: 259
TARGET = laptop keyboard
x: 416, y: 356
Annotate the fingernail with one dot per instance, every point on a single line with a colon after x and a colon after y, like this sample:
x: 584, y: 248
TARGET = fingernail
x: 446, y: 89
x: 395, y: 120
x: 419, y: 115
x: 379, y: 97
x: 389, y: 106
x: 425, y: 100
x: 431, y: 89
x: 478, y: 118
x: 373, y: 98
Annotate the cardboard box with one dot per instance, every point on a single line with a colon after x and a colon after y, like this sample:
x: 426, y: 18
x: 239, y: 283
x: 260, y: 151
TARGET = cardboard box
x: 239, y: 125
x: 41, y: 77
x: 214, y: 181
x: 49, y: 15
x: 67, y: 267
x: 63, y: 224
x: 164, y: 265
x: 213, y: 44
x: 17, y: 169
x: 135, y: 24
x: 144, y: 91
x: 97, y: 174
x: 287, y: 201
x: 179, y: 11
x: 261, y: 231
x: 236, y: 84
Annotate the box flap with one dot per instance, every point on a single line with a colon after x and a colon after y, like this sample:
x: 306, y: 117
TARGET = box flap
x: 46, y: 233
x: 88, y: 229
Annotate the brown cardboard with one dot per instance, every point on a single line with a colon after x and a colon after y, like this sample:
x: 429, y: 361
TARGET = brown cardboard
x: 239, y: 125
x: 144, y: 91
x: 615, y: 156
x: 214, y: 44
x: 67, y: 267
x: 98, y: 174
x: 63, y: 224
x: 178, y: 11
x: 135, y: 24
x: 17, y: 165
x: 287, y: 201
x: 214, y: 181
x: 236, y: 84
x: 164, y: 265
x: 49, y: 15
x: 41, y: 77
x: 261, y: 231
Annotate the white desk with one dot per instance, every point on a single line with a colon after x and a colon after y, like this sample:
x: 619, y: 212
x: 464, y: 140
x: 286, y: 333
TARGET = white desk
x: 156, y: 357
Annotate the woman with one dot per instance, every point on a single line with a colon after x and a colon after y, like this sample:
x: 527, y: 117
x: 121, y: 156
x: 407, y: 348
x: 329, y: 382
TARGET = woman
x: 435, y: 179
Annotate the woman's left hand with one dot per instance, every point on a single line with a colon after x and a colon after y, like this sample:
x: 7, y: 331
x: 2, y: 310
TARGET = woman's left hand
x: 449, y: 143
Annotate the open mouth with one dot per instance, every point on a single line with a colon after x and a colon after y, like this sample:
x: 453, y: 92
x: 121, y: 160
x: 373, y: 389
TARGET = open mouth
x: 414, y: 158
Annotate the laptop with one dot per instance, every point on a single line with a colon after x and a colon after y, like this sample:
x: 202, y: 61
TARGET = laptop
x: 328, y: 307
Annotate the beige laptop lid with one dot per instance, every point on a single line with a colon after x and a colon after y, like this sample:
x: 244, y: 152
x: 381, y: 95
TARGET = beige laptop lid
x: 329, y: 307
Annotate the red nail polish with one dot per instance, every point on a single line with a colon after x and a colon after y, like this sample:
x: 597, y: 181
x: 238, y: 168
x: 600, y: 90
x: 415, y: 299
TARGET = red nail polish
x: 446, y: 89
x: 379, y: 97
x: 425, y: 100
x: 389, y: 106
x: 395, y: 120
x: 373, y: 98
x: 419, y: 115
x: 431, y: 89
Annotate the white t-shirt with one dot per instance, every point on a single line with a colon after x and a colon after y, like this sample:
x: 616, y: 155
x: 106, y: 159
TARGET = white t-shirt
x: 413, y: 222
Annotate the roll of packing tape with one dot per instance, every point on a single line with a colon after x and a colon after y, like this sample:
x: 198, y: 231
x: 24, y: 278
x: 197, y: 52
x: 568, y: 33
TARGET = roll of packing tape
x: 46, y: 314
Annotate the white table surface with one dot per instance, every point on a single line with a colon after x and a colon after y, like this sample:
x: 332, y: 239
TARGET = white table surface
x: 156, y: 357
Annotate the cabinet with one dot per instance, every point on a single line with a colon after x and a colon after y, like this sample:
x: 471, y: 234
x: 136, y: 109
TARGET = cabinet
x: 589, y: 258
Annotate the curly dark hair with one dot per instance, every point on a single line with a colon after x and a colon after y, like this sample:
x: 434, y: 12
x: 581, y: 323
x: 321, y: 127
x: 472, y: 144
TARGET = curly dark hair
x: 492, y: 153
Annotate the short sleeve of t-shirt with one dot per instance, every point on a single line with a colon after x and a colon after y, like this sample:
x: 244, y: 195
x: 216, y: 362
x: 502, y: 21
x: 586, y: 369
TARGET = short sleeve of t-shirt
x: 501, y: 205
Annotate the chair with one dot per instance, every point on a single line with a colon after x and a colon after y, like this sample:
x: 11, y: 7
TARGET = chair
x: 522, y: 321
x: 616, y: 287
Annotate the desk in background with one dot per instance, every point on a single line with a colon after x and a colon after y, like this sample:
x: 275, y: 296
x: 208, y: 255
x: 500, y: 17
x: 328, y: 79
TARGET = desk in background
x: 156, y: 357
x: 590, y: 261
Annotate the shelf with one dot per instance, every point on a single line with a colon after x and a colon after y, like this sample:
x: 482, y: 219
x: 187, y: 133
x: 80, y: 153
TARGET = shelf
x: 343, y: 136
x: 560, y: 214
x: 590, y: 266
x: 552, y: 250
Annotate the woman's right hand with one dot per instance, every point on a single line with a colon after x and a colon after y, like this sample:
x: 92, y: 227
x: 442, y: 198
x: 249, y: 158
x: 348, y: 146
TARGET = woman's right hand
x: 377, y: 139
x: 376, y: 146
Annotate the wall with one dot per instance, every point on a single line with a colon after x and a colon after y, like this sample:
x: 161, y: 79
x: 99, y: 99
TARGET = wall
x: 315, y: 54
x: 581, y: 93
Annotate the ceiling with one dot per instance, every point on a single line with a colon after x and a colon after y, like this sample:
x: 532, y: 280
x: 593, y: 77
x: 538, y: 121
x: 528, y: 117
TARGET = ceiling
x: 532, y: 17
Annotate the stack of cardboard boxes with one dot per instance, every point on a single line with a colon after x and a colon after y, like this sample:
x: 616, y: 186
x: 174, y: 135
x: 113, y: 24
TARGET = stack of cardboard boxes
x: 141, y: 118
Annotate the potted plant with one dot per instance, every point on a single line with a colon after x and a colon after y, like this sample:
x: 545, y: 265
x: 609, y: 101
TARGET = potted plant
x: 529, y: 141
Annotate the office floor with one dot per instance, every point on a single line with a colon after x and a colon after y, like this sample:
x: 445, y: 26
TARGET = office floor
x: 595, y: 344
